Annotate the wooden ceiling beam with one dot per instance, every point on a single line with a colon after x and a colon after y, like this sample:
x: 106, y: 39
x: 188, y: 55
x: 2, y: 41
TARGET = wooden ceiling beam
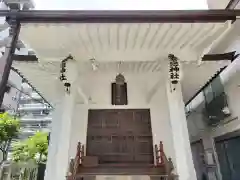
x: 154, y: 16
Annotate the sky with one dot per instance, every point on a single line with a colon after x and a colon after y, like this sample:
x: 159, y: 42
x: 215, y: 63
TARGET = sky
x: 120, y: 4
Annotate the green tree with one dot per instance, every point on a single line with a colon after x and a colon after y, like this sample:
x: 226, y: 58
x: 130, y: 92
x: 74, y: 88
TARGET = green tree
x: 33, y: 148
x: 9, y: 129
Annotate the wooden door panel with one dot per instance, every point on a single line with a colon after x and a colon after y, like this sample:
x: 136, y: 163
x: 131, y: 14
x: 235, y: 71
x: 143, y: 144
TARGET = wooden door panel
x: 120, y: 136
x: 143, y: 122
x: 144, y: 159
x: 144, y: 145
x: 126, y: 120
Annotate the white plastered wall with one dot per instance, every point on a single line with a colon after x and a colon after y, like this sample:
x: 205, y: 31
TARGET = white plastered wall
x: 98, y: 87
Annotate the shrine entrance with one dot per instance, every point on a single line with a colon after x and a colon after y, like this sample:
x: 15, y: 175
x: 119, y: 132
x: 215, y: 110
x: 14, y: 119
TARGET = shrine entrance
x: 120, y: 136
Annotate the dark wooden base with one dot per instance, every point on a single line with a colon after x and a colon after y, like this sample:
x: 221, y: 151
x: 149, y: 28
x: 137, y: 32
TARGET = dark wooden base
x: 111, y: 169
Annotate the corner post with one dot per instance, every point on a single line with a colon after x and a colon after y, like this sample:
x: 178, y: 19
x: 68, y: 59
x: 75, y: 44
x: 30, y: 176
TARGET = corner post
x: 59, y: 157
x: 7, y: 59
x: 181, y: 142
x: 177, y: 118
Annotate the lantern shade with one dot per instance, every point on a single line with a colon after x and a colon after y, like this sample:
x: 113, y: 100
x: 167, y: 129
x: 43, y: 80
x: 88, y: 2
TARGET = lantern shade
x: 120, y: 79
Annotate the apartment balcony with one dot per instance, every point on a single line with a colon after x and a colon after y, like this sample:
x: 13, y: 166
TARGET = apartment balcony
x: 31, y: 96
x: 33, y: 107
x: 36, y: 119
x: 36, y: 126
x: 26, y: 132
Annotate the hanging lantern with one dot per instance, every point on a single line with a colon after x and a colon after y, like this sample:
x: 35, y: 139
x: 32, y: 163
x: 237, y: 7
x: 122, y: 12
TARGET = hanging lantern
x: 120, y: 79
x: 67, y: 86
x: 174, y: 69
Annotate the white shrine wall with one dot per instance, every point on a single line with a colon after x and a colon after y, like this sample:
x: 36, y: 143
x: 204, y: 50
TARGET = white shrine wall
x: 98, y: 87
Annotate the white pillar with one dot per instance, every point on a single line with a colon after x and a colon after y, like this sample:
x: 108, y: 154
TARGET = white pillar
x: 62, y: 154
x: 58, y: 158
x: 79, y: 128
x: 184, y: 161
x: 52, y: 148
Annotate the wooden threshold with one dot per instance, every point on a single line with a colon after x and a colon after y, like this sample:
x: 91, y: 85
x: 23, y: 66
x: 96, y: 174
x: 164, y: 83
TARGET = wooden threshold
x: 121, y: 170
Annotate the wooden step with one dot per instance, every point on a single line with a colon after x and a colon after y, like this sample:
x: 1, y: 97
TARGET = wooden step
x: 124, y: 177
x: 121, y: 170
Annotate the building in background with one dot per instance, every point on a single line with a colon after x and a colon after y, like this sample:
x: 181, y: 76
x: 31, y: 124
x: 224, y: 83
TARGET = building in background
x: 12, y: 94
x: 20, y: 98
x: 22, y: 53
x: 34, y: 112
x: 24, y: 102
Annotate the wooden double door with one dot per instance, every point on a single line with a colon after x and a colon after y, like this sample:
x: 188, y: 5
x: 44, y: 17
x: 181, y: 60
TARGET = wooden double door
x: 120, y: 136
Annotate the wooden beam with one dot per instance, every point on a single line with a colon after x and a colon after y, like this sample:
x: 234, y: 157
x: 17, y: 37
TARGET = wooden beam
x: 154, y: 16
x: 219, y: 57
x: 7, y: 59
x: 25, y: 58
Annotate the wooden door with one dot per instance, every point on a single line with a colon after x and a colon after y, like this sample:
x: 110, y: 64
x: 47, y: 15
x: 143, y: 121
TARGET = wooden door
x: 120, y: 136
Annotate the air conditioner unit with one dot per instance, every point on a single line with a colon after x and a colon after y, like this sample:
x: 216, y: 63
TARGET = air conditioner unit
x: 226, y: 110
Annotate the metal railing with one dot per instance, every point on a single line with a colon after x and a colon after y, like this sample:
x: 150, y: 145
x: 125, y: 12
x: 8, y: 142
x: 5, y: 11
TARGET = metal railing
x: 74, y: 163
x: 162, y: 160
